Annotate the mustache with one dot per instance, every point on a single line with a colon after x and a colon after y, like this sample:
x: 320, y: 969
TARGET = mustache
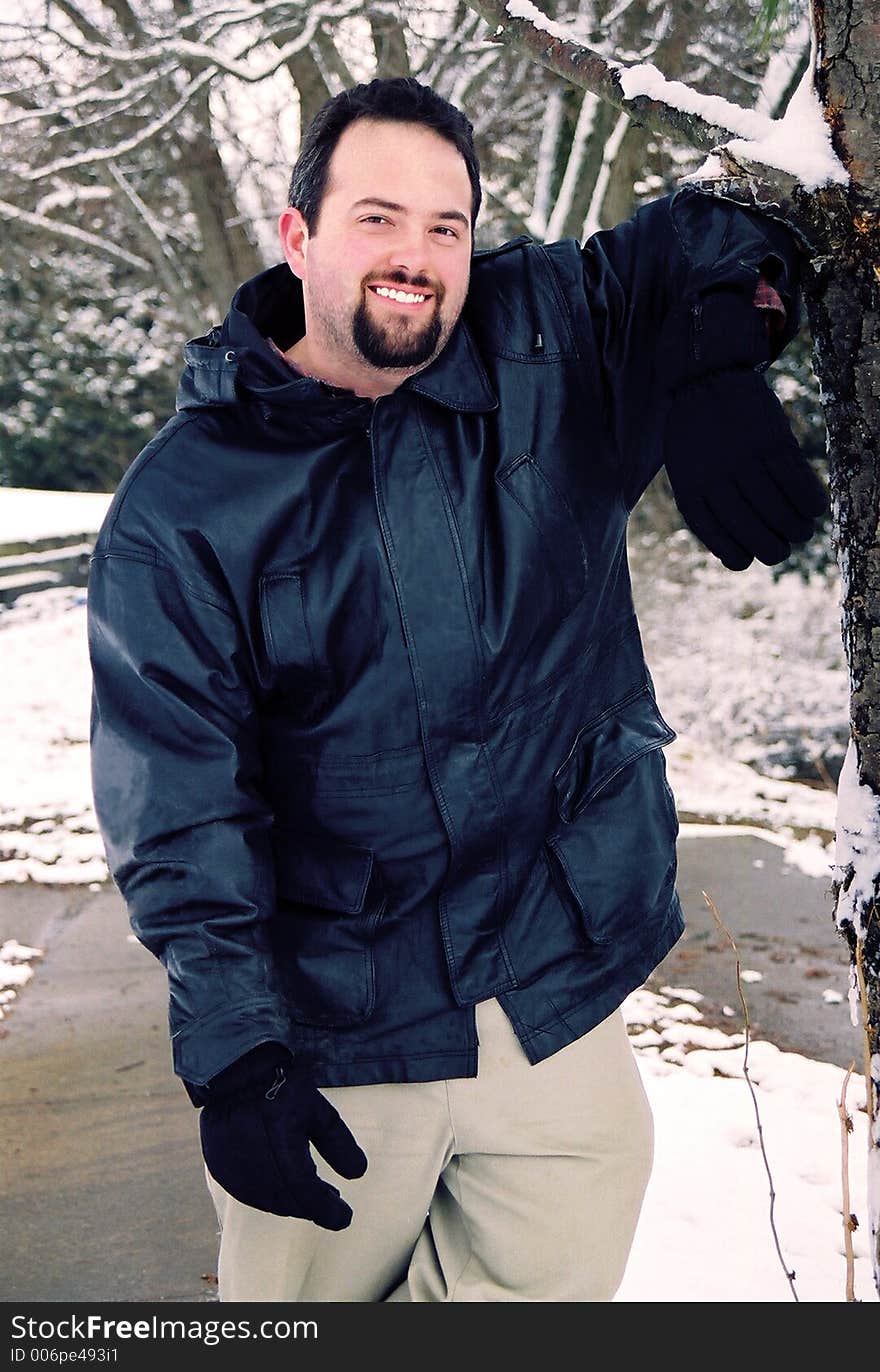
x: 398, y: 277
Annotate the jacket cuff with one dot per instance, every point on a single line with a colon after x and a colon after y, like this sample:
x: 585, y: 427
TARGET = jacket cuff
x: 203, y: 1048
x: 248, y: 1073
x: 744, y: 271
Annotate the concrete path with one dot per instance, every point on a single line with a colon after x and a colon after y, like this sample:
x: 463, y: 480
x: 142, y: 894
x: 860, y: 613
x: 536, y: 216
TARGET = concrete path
x: 103, y: 1195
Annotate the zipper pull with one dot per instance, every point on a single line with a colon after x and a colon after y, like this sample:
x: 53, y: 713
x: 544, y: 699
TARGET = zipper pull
x: 280, y: 1079
x: 697, y: 318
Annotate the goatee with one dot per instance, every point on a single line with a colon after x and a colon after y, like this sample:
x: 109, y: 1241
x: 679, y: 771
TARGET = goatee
x: 384, y: 347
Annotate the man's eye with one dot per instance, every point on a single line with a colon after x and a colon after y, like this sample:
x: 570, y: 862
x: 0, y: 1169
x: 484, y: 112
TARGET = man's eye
x: 445, y: 230
x: 374, y: 219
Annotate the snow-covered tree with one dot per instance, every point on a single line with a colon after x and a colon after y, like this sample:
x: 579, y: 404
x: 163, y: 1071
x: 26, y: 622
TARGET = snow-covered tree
x: 148, y: 145
x: 146, y: 150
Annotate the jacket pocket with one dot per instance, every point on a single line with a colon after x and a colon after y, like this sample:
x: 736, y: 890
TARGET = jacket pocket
x: 283, y: 617
x: 613, y: 850
x: 550, y: 515
x: 292, y: 661
x: 329, y: 902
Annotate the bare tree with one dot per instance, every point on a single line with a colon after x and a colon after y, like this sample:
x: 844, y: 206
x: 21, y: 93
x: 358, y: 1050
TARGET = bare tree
x: 159, y: 135
x: 145, y: 155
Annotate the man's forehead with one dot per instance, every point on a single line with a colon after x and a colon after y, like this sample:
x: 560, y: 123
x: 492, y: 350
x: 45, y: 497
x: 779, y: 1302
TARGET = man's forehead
x: 382, y: 161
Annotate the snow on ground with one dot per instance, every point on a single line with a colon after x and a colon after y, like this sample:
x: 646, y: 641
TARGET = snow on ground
x: 750, y: 671
x: 705, y: 1232
x: 48, y: 830
x: 27, y: 515
x: 742, y: 666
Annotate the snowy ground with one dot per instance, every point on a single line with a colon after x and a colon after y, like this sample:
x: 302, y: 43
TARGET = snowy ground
x: 742, y: 666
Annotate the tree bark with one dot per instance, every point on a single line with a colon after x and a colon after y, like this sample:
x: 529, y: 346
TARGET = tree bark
x: 228, y: 255
x: 389, y: 43
x: 310, y: 85
x: 844, y: 309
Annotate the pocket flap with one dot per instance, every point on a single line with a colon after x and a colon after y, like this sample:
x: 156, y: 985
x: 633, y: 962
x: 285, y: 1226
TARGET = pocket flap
x: 605, y: 747
x: 334, y: 876
x: 548, y: 511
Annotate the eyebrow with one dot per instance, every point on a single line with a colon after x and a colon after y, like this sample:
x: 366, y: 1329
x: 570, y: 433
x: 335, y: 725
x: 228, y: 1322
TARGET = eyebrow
x: 401, y: 209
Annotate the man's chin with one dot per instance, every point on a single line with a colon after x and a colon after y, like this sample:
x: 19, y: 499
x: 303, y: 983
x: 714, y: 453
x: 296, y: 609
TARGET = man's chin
x: 398, y: 348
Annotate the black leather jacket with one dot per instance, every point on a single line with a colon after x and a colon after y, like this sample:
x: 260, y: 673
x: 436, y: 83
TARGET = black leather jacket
x: 373, y: 734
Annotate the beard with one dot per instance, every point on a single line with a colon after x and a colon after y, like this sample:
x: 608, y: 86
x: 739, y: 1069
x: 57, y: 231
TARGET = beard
x: 397, y: 343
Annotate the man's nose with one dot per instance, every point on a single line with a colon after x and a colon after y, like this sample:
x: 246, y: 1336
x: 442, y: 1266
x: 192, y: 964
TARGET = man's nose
x: 411, y: 253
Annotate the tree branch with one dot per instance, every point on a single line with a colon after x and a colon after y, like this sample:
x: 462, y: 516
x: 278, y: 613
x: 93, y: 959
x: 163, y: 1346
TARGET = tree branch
x: 200, y: 54
x: 664, y: 109
x: 88, y: 30
x: 126, y: 145
x: 78, y: 237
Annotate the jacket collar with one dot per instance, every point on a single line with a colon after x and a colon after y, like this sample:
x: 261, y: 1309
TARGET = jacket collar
x: 457, y: 377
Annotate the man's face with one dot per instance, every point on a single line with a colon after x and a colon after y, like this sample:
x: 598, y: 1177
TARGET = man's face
x: 386, y: 271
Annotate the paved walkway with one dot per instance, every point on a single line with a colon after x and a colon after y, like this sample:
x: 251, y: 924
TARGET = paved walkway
x: 103, y: 1195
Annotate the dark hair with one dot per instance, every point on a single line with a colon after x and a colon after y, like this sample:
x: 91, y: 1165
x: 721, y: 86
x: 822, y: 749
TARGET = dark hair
x: 401, y: 98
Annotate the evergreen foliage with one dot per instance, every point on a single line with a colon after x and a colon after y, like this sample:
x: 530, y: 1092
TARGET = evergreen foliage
x: 87, y: 373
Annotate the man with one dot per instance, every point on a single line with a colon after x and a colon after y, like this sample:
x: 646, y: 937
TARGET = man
x: 376, y: 754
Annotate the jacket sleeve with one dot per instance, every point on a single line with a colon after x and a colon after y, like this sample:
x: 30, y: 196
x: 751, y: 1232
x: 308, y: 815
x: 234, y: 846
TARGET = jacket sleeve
x: 669, y: 294
x: 176, y: 783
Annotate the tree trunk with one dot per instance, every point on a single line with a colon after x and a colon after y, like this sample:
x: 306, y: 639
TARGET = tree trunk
x: 310, y: 85
x: 844, y: 309
x: 389, y: 43
x: 228, y: 255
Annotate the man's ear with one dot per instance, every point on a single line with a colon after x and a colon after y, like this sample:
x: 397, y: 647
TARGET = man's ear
x: 294, y: 232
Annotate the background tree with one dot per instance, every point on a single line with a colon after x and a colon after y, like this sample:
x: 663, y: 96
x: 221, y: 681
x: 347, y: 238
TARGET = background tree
x: 147, y: 146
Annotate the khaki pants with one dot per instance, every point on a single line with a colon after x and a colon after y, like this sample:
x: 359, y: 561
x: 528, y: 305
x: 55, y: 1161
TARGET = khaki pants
x: 523, y: 1183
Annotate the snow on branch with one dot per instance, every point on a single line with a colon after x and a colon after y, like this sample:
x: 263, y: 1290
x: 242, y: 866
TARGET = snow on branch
x: 126, y: 145
x: 78, y: 237
x: 198, y: 54
x: 210, y: 23
x: 69, y: 196
x: 798, y: 145
x: 120, y: 97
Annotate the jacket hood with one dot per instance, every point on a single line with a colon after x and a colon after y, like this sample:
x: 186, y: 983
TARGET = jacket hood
x: 234, y: 361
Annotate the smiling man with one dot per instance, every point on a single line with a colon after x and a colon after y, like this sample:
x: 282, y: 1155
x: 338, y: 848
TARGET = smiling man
x: 376, y: 754
x: 385, y: 276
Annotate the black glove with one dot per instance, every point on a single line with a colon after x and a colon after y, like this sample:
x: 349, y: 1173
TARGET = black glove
x: 737, y: 472
x: 256, y: 1127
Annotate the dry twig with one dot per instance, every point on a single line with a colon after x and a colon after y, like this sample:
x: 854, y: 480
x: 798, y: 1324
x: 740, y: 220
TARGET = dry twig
x: 850, y: 1223
x: 790, y: 1276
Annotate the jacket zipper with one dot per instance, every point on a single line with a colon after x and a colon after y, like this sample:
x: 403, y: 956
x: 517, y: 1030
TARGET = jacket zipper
x: 697, y: 319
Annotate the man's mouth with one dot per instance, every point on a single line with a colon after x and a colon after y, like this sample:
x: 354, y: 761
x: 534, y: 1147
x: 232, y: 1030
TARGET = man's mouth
x: 401, y: 296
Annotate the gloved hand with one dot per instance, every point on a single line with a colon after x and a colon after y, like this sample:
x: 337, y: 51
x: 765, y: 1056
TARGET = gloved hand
x: 256, y: 1127
x: 738, y: 475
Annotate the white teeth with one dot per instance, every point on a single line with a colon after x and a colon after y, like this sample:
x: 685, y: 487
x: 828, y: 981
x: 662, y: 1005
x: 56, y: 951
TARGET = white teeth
x: 407, y: 297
